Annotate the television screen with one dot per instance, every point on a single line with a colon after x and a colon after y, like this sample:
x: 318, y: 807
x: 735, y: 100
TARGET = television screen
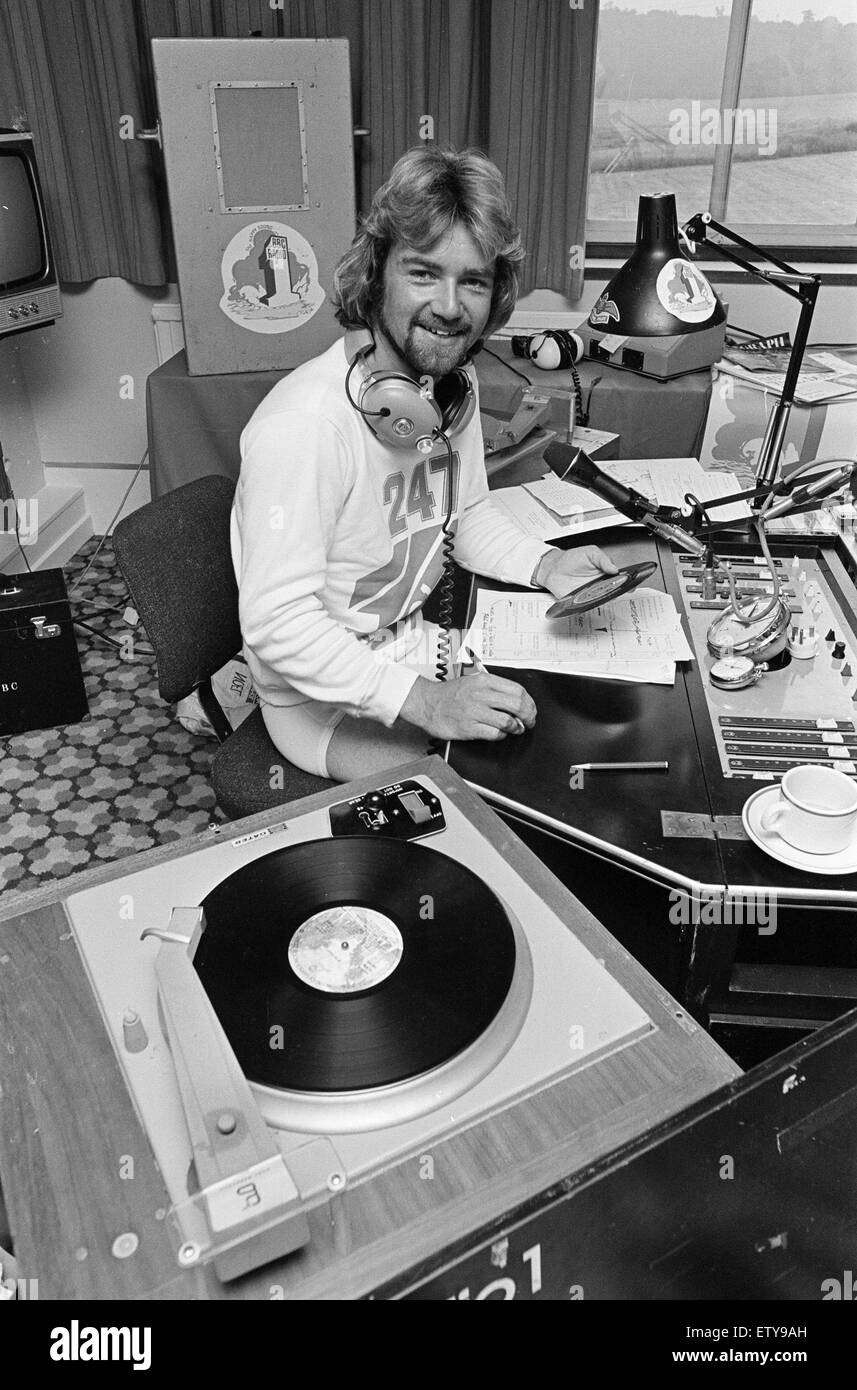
x: 22, y: 252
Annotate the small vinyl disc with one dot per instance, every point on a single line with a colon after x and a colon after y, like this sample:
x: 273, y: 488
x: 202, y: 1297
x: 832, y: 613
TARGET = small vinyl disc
x: 602, y: 590
x: 354, y: 962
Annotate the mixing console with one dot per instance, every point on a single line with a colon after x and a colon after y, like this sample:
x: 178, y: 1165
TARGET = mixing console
x: 803, y: 706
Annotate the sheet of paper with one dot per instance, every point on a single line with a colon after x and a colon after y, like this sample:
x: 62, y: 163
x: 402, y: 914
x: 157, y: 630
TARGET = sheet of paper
x: 813, y: 391
x: 567, y: 500
x: 584, y: 437
x: 831, y: 361
x: 632, y: 637
x: 848, y: 378
x: 539, y: 522
x: 611, y: 342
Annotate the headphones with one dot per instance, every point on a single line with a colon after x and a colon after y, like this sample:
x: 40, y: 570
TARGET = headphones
x: 401, y: 412
x: 553, y: 348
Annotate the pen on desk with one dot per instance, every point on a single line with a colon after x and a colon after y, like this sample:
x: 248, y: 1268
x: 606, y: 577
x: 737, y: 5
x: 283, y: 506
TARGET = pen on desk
x: 621, y: 767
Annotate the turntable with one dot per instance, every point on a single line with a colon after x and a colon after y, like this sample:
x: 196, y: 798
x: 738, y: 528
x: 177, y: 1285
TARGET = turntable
x: 375, y: 992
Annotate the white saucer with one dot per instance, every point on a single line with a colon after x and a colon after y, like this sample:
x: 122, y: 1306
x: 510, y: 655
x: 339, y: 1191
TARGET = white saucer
x: 844, y: 861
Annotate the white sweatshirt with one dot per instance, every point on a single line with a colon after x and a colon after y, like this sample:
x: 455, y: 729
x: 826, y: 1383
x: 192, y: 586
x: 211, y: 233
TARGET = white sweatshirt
x: 335, y: 534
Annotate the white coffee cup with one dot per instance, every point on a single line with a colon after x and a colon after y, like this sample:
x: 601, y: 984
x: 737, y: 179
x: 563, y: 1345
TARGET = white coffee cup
x: 817, y: 810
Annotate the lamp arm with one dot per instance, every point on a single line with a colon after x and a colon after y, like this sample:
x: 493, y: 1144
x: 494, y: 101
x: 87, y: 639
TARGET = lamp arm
x: 697, y: 227
x: 803, y: 288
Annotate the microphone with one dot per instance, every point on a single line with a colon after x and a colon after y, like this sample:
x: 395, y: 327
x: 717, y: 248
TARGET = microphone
x: 553, y: 348
x: 574, y: 466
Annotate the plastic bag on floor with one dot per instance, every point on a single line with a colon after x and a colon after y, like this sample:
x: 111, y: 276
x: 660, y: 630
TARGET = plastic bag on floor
x: 234, y: 692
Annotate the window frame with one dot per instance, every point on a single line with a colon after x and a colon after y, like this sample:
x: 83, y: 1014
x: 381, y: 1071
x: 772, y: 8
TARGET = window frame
x: 816, y: 241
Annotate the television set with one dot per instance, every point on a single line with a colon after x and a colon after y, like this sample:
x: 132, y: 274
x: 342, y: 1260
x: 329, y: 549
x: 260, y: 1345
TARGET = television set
x: 29, y: 289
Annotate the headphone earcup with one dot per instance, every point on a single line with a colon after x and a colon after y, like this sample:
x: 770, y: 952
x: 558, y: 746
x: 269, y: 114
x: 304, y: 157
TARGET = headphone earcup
x: 459, y: 408
x: 397, y: 411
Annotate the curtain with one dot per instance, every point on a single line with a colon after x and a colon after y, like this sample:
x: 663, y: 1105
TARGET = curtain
x: 513, y: 77
x: 70, y: 71
x: 540, y: 101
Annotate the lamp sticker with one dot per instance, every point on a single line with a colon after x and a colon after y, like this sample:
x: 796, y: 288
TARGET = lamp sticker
x: 684, y: 292
x: 603, y: 311
x: 270, y: 279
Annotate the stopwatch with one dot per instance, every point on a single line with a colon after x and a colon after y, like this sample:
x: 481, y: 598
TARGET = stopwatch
x: 735, y: 672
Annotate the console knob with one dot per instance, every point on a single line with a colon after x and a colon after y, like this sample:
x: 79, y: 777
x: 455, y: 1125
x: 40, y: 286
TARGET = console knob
x: 838, y: 651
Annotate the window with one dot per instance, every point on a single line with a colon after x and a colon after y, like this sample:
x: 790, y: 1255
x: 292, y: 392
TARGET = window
x: 745, y: 107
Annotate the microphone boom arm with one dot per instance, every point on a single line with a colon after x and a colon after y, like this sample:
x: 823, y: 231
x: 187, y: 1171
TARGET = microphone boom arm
x: 690, y: 525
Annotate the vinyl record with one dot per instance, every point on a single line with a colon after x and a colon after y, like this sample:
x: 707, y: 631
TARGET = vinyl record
x: 601, y: 590
x: 428, y: 952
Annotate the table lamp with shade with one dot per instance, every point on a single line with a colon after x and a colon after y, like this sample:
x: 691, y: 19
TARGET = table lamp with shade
x: 658, y: 315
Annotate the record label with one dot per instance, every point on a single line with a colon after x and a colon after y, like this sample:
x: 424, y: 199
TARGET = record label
x: 345, y: 949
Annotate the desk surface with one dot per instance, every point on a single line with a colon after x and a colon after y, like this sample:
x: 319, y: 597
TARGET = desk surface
x: 586, y: 720
x: 67, y: 1122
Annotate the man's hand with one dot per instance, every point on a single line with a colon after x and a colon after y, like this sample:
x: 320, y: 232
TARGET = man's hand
x: 474, y: 706
x: 563, y: 571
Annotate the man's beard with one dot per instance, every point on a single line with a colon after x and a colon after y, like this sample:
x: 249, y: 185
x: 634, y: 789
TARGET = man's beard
x: 426, y: 354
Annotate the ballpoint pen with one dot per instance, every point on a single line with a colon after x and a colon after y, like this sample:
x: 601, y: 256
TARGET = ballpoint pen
x: 621, y: 767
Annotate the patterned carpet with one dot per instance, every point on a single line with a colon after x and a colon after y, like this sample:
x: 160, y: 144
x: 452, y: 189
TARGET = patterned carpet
x: 125, y: 779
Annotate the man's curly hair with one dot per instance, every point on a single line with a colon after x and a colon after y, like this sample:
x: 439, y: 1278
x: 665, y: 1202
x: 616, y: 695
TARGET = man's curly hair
x: 430, y: 189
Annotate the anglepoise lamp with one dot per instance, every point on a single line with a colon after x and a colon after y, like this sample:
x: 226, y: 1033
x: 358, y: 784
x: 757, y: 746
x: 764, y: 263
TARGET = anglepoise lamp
x: 748, y: 636
x: 659, y: 315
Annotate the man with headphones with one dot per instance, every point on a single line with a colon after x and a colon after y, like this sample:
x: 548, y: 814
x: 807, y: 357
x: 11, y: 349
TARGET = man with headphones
x: 362, y: 468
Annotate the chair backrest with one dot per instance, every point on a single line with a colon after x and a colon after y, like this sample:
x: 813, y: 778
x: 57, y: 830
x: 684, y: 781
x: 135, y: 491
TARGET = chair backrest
x: 174, y: 555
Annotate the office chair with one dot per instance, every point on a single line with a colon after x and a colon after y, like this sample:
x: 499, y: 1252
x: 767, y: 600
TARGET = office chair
x: 175, y: 558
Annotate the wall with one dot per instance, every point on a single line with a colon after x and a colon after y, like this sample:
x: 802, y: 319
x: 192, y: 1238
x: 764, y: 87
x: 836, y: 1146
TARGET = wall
x: 52, y: 521
x: 17, y: 423
x: 22, y: 457
x: 86, y: 377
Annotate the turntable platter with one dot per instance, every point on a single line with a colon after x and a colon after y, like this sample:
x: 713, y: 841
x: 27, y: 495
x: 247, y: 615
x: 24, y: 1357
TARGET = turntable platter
x: 351, y: 963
